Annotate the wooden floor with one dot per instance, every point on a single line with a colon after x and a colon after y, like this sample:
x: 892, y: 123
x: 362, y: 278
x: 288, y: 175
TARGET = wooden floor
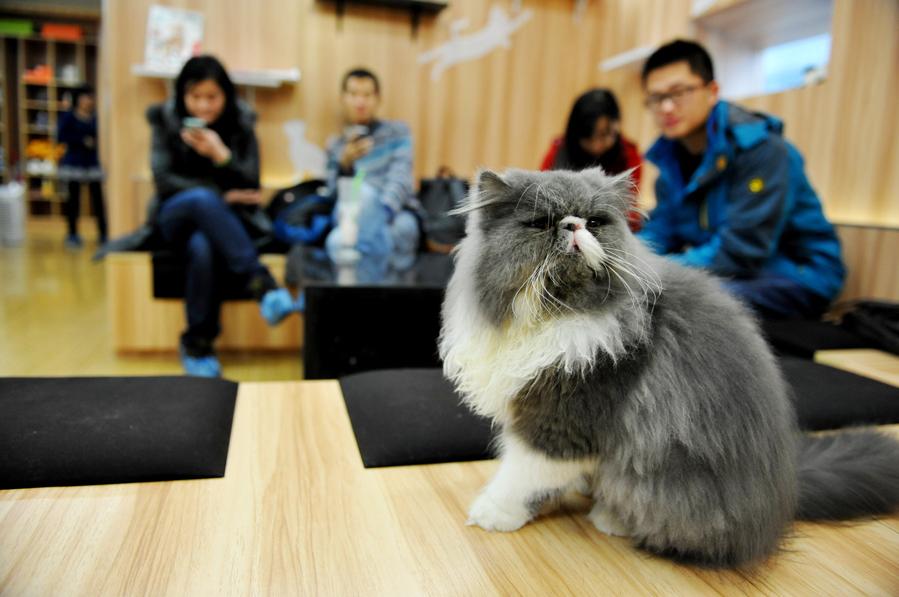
x: 53, y: 317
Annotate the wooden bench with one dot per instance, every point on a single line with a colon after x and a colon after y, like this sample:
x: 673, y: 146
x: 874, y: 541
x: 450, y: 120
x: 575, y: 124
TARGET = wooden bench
x: 139, y: 322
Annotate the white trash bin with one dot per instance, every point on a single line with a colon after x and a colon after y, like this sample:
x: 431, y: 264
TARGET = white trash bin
x: 12, y: 214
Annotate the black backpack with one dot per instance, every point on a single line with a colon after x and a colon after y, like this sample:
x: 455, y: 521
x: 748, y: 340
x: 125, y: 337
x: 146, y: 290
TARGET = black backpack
x: 438, y: 196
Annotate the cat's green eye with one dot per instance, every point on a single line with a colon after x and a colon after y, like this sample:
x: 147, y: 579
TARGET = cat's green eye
x: 597, y: 221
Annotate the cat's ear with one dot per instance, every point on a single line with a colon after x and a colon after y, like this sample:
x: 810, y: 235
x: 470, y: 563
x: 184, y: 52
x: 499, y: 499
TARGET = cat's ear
x: 491, y: 187
x: 618, y: 190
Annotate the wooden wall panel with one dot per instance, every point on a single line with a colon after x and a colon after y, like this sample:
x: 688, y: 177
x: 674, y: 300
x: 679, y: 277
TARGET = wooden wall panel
x: 870, y: 255
x: 846, y: 127
x: 503, y: 109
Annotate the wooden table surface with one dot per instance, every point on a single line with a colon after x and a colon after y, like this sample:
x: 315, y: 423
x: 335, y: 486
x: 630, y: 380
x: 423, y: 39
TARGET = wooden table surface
x: 297, y: 514
x: 875, y: 364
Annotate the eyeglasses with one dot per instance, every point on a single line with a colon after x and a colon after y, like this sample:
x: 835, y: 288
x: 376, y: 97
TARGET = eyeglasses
x: 677, y: 97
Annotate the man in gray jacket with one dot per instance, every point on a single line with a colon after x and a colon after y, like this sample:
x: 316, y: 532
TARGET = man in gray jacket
x: 377, y: 155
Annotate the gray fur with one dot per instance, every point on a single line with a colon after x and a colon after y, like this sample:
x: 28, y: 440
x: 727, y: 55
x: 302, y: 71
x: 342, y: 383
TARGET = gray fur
x: 694, y: 429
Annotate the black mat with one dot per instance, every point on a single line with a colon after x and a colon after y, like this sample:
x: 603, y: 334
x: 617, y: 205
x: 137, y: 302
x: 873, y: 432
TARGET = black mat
x: 829, y: 398
x: 93, y: 430
x: 413, y: 416
x: 804, y: 338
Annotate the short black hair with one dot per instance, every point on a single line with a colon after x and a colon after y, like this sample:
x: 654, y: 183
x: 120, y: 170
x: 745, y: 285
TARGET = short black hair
x: 681, y: 50
x: 78, y: 92
x: 361, y: 73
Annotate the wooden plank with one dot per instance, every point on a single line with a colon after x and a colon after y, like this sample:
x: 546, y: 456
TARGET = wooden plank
x: 875, y: 364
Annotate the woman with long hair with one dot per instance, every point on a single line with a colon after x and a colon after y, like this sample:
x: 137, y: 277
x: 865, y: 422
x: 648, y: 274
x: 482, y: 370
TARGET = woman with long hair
x: 205, y: 162
x: 593, y: 138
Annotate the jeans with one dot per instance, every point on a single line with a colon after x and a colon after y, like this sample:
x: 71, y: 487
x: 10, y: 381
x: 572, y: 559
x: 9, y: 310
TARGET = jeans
x: 198, y: 223
x: 73, y: 207
x: 776, y: 297
x: 378, y: 236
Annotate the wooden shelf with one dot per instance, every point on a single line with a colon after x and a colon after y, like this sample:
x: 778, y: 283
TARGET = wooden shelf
x: 87, y: 41
x: 39, y: 105
x: 267, y: 78
x: 633, y: 59
x: 416, y: 8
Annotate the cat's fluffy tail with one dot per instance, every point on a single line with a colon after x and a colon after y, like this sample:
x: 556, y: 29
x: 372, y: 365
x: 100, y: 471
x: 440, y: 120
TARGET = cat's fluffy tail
x: 848, y: 475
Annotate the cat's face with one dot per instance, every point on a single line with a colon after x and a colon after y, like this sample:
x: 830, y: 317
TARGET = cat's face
x: 552, y: 243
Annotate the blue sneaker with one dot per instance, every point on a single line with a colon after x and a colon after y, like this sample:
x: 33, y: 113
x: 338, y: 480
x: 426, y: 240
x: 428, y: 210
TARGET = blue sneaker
x: 276, y: 305
x: 73, y: 241
x: 206, y: 366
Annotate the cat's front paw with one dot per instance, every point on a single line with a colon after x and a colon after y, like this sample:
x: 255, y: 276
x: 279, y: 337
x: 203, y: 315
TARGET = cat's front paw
x: 606, y: 523
x: 490, y: 516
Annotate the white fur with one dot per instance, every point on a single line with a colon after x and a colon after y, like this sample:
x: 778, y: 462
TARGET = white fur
x: 590, y: 247
x: 524, y: 475
x: 490, y: 365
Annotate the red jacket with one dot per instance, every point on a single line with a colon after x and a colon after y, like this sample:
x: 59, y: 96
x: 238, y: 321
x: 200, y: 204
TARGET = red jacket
x: 632, y: 159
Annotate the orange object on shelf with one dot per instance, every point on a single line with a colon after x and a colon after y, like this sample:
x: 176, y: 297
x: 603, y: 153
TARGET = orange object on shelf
x: 40, y: 74
x: 62, y: 31
x: 44, y: 149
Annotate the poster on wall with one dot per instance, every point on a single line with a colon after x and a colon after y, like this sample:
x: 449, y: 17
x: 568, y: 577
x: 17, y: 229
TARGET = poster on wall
x: 173, y: 36
x: 497, y: 33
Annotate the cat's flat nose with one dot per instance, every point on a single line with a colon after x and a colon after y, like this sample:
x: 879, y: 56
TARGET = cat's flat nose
x: 572, y: 223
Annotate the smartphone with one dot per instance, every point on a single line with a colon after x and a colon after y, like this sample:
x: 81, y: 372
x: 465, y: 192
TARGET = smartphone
x: 356, y: 131
x: 192, y: 122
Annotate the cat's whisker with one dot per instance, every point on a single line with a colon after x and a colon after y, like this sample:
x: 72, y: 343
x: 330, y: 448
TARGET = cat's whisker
x: 648, y: 284
x: 623, y: 267
x: 647, y: 270
x: 635, y: 300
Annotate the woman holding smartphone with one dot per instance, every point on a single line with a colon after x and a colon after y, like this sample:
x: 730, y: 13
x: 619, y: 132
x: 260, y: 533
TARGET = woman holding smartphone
x: 205, y: 163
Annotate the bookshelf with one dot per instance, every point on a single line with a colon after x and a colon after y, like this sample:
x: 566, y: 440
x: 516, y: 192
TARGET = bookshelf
x: 5, y: 125
x: 46, y: 73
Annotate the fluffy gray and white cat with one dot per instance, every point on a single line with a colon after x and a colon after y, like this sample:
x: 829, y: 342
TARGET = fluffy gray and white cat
x: 619, y: 373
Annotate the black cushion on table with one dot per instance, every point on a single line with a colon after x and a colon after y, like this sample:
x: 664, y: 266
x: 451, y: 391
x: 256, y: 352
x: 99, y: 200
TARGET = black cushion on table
x: 93, y: 430
x: 804, y: 338
x: 413, y: 416
x: 829, y: 398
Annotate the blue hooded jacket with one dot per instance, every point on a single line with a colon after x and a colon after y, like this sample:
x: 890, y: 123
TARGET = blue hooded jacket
x: 748, y: 209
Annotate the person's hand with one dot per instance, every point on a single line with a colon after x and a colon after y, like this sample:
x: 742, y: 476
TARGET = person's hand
x: 354, y: 150
x: 88, y: 142
x: 207, y: 143
x: 244, y: 196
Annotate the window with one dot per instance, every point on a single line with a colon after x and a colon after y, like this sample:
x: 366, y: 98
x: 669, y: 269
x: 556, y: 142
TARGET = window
x: 796, y: 63
x: 765, y: 46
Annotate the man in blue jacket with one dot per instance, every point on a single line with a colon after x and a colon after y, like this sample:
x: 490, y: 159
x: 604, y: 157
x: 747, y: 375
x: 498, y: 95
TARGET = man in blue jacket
x: 732, y: 195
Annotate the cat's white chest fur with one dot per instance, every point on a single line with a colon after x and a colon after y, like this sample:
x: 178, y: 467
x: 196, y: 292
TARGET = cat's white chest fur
x: 491, y: 365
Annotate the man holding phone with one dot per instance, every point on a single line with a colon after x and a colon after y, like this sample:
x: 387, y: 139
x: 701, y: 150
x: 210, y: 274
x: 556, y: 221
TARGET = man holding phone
x: 378, y: 153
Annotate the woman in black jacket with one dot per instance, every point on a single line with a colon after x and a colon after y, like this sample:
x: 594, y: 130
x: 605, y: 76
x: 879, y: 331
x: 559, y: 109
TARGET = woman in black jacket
x: 205, y: 162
